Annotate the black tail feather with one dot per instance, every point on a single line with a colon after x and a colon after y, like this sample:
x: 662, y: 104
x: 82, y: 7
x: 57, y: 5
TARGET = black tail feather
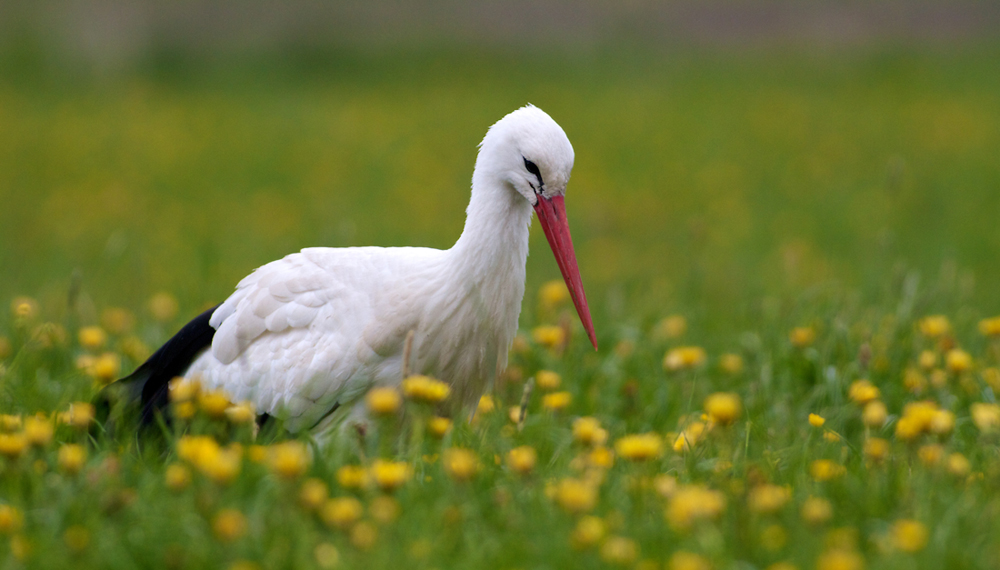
x: 150, y: 383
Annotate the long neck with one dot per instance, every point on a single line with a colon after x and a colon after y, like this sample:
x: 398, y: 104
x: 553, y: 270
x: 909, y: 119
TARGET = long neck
x: 493, y: 248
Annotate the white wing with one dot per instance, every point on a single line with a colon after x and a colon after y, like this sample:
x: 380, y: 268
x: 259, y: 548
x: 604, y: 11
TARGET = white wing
x: 317, y: 328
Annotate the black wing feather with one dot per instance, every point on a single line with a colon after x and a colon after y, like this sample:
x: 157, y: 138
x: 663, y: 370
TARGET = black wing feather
x: 150, y: 383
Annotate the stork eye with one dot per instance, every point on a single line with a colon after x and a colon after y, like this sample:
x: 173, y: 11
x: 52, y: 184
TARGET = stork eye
x: 533, y: 168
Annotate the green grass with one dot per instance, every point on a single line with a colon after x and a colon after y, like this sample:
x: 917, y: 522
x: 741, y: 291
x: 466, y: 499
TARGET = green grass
x: 850, y: 192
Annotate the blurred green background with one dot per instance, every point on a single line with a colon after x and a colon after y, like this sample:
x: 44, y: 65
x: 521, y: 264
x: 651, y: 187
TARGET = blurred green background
x: 730, y: 157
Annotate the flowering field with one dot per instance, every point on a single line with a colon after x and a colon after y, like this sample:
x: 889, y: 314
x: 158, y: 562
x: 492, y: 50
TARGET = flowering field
x: 792, y: 268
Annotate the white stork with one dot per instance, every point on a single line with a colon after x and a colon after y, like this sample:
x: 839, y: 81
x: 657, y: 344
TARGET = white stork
x: 311, y: 333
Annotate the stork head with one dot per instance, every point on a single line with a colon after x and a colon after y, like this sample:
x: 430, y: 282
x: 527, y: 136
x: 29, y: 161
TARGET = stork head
x: 530, y: 152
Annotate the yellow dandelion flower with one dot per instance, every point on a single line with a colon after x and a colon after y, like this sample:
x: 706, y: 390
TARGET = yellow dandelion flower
x: 723, y: 408
x: 384, y: 509
x: 826, y: 470
x: 390, y: 475
x: 341, y: 512
x: 921, y: 414
x: 991, y: 376
x: 486, y: 405
x: 557, y: 401
x: 118, y: 320
x: 958, y: 361
x: 930, y: 454
x: 177, y: 477
x: 71, y: 458
x: 163, y: 306
x: 684, y: 560
x: 134, y: 348
x: 831, y: 436
x: 184, y: 389
x: 79, y: 415
x: 20, y: 547
x: 985, y: 416
x: 552, y: 295
x: 10, y: 423
x: 522, y: 459
x: 520, y: 345
x: 213, y: 403
x: 425, y: 389
x: 671, y: 327
x: 874, y: 414
x: 24, y: 308
x: 684, y: 358
x: 939, y: 378
x: 990, y: 327
x: 313, y: 494
x: 204, y: 453
x: 547, y: 380
x: 438, y: 426
x: 192, y: 448
x: 816, y: 420
x: 363, y: 535
x: 242, y: 413
x: 943, y: 422
x: 601, y: 457
x: 862, y: 391
x: 909, y: 535
x: 934, y: 326
x: 731, y: 363
x: 460, y: 464
x: 640, y: 447
x: 914, y: 381
x: 549, y: 336
x: 11, y: 519
x: 816, y: 511
x: 801, y: 337
x: 840, y: 559
x: 184, y: 410
x: 327, y: 556
x: 575, y: 495
x: 619, y: 550
x: 768, y: 499
x: 514, y: 414
x: 908, y: 428
x: 352, y: 477
x: 12, y: 445
x: 624, y: 348
x: 384, y: 401
x: 222, y: 466
x: 690, y: 436
x: 92, y: 338
x: 958, y: 465
x: 588, y: 431
x: 589, y: 531
x: 773, y: 537
x: 927, y: 360
x: 289, y: 459
x: 665, y: 485
x: 85, y: 363
x: 876, y: 449
x: 229, y: 525
x: 106, y: 368
x: 693, y: 503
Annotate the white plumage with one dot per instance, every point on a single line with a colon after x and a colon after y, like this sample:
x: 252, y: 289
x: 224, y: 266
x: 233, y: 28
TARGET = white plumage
x: 320, y: 327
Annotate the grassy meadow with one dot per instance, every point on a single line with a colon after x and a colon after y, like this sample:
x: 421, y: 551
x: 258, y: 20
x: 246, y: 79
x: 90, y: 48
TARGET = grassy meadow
x: 791, y: 259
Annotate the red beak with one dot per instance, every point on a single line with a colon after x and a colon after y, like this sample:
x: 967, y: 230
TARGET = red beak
x: 552, y: 215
